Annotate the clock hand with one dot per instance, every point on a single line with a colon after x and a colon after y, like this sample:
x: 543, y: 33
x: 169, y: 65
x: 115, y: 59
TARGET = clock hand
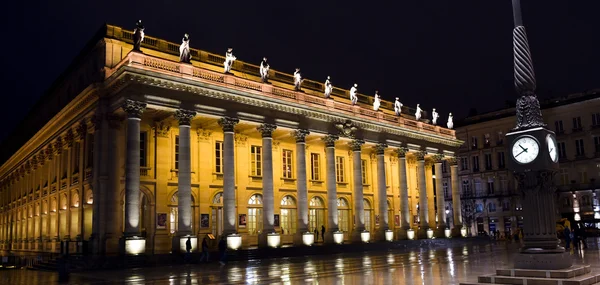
x: 551, y: 149
x: 522, y: 147
x: 520, y: 153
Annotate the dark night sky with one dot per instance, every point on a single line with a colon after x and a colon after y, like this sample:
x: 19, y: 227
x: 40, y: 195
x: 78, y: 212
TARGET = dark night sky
x: 451, y: 55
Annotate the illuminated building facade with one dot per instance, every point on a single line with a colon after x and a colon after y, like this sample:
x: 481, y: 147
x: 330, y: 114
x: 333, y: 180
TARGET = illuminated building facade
x: 137, y: 146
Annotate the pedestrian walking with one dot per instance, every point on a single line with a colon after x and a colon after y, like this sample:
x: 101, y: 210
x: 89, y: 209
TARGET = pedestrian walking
x: 222, y: 250
x: 205, y: 255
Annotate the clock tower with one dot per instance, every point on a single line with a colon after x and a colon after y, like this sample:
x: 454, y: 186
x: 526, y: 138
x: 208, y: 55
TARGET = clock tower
x: 534, y: 160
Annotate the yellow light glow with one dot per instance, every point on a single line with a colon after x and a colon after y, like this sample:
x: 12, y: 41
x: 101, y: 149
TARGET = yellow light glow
x: 447, y: 233
x: 429, y: 233
x: 410, y: 234
x: 308, y: 238
x: 234, y: 241
x: 338, y: 237
x: 273, y: 240
x: 389, y: 235
x: 365, y: 236
x: 135, y: 246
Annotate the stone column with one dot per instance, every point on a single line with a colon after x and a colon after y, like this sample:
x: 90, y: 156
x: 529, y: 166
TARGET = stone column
x: 423, y: 207
x: 266, y: 131
x: 229, y: 210
x: 359, y: 205
x: 332, y: 214
x: 382, y: 192
x: 99, y: 181
x: 134, y: 111
x: 184, y: 174
x: 456, y: 206
x: 438, y: 159
x: 405, y: 219
x: 301, y: 186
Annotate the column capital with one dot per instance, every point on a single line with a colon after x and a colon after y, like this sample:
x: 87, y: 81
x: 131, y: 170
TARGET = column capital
x: 81, y: 130
x: 184, y: 116
x: 134, y: 109
x: 34, y: 162
x: 420, y: 155
x: 330, y: 140
x: 300, y: 135
x: 438, y: 158
x: 452, y: 160
x: 356, y: 144
x: 228, y: 123
x: 380, y: 148
x: 49, y: 152
x: 266, y: 130
x: 42, y: 157
x: 161, y: 129
x: 401, y: 152
x: 69, y: 138
x: 58, y: 145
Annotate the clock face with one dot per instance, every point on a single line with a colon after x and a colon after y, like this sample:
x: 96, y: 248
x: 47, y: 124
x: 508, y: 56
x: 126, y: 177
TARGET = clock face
x: 525, y: 149
x: 552, y: 150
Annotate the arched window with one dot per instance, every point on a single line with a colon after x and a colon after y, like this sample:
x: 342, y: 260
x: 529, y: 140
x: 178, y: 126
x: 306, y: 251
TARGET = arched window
x: 75, y: 200
x: 368, y: 215
x: 63, y: 202
x: 89, y: 197
x: 288, y: 215
x: 255, y: 214
x: 45, y: 207
x: 316, y: 213
x: 53, y: 205
x: 218, y: 199
x: 343, y: 214
x: 216, y: 215
x: 174, y: 219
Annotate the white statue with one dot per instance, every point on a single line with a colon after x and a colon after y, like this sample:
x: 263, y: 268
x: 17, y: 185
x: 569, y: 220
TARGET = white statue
x: 434, y: 116
x: 450, y: 124
x: 297, y: 79
x: 376, y: 101
x: 398, y: 107
x: 353, y: 92
x: 184, y: 49
x: 418, y: 112
x: 264, y: 70
x: 229, y: 59
x: 328, y: 87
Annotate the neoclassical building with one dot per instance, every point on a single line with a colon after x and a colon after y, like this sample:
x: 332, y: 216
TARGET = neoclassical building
x: 138, y: 146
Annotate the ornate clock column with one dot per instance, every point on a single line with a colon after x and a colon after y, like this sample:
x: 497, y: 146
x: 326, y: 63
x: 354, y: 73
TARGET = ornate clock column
x: 533, y: 165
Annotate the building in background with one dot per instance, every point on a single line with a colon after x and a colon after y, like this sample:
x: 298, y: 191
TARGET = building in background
x: 489, y: 192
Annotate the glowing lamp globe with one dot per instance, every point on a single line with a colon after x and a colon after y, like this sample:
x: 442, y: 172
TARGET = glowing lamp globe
x: 308, y: 238
x: 365, y: 236
x: 234, y: 241
x: 389, y: 235
x: 338, y: 237
x: 410, y: 234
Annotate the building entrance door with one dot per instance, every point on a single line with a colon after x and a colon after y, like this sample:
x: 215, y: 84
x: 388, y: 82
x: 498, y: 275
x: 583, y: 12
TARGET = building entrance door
x: 217, y: 221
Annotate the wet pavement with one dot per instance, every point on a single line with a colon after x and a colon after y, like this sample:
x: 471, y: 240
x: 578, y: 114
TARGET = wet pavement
x: 420, y: 266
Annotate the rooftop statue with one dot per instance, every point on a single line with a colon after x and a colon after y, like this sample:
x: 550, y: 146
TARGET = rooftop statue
x: 397, y: 107
x: 184, y: 50
x: 297, y: 79
x: 264, y: 70
x: 138, y: 35
x: 434, y: 116
x: 328, y: 87
x: 450, y: 124
x: 376, y: 101
x: 418, y: 113
x: 353, y: 92
x: 229, y: 59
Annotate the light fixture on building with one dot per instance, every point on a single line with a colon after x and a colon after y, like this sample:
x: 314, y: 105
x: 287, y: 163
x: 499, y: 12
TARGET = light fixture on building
x: 273, y: 240
x: 596, y: 216
x: 365, y: 236
x: 410, y: 234
x: 234, y: 241
x: 183, y: 241
x: 389, y: 235
x: 135, y: 245
x: 463, y: 232
x: 338, y: 237
x: 447, y: 233
x: 308, y: 238
x: 429, y: 233
x: 577, y: 217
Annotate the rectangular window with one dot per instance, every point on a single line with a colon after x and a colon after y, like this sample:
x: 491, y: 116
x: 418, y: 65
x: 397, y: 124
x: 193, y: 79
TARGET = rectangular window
x: 287, y: 164
x: 444, y: 166
x: 75, y: 155
x: 256, y: 160
x: 176, y: 152
x: 486, y: 140
x: 473, y: 142
x: 143, y: 149
x: 501, y: 163
x: 564, y: 176
x: 583, y: 176
x: 562, y: 150
x: 478, y: 187
x: 492, y: 207
x: 218, y: 157
x: 596, y: 119
x: 579, y: 151
x: 490, y: 185
x: 464, y: 163
x: 446, y: 193
x: 65, y: 163
x: 314, y: 167
x: 488, y: 161
x: 466, y: 189
x: 363, y: 166
x: 339, y: 169
x: 577, y: 124
x: 500, y: 139
x: 503, y: 185
x: 558, y: 127
x: 90, y: 150
x: 597, y: 145
x: 506, y: 206
x: 475, y: 163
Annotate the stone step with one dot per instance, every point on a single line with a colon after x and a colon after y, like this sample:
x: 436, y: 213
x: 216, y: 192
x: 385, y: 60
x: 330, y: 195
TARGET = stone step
x: 570, y: 272
x: 586, y: 279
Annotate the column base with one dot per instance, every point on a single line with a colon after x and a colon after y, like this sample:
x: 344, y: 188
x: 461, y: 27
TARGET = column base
x: 402, y: 233
x: 422, y: 233
x: 440, y: 232
x: 304, y: 238
x: 334, y: 237
x: 178, y: 244
x: 269, y: 239
x: 360, y: 236
x: 383, y: 235
x: 132, y: 245
x: 543, y: 260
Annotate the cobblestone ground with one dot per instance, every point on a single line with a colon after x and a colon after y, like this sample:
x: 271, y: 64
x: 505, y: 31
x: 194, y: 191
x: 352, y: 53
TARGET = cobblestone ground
x: 444, y: 267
